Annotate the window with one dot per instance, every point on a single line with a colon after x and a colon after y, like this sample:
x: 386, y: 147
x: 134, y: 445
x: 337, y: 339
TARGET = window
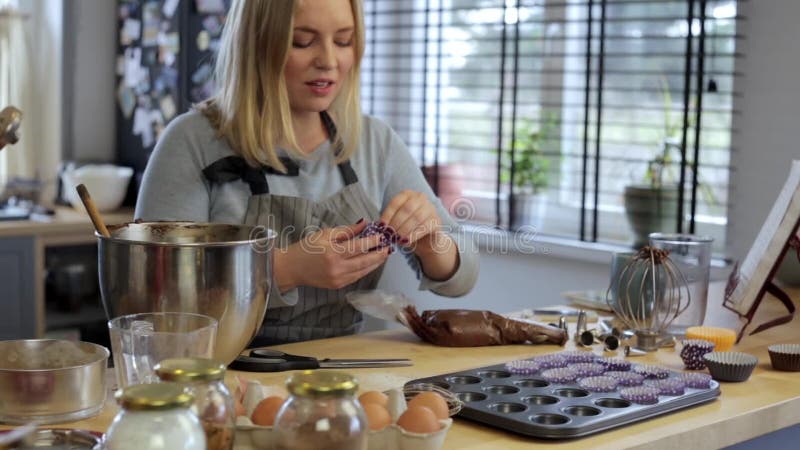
x: 546, y: 114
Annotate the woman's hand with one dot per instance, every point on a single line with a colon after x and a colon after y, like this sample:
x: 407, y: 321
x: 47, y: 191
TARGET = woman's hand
x: 417, y: 226
x: 331, y: 258
x: 412, y: 217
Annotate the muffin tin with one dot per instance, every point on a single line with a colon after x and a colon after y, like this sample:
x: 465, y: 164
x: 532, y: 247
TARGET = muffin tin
x: 529, y: 405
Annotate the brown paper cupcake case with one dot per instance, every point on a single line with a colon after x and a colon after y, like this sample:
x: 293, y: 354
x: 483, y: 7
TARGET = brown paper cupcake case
x: 730, y: 366
x: 785, y: 357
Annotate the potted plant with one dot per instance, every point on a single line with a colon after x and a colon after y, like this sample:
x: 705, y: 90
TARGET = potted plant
x: 652, y: 204
x: 531, y: 168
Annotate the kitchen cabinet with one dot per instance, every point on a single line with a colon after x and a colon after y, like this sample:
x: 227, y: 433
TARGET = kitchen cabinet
x: 25, y: 248
x: 17, y: 284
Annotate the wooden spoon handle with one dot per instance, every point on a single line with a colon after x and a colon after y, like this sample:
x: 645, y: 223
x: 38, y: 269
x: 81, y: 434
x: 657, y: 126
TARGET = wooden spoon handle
x: 88, y: 203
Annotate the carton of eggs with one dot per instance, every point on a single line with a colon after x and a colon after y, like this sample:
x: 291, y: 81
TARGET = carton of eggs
x: 394, y: 424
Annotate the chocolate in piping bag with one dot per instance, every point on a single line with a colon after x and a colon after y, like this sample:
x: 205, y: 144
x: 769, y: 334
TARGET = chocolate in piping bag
x: 470, y: 328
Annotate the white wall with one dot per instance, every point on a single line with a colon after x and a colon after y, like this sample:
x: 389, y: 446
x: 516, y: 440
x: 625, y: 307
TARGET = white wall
x: 90, y: 50
x: 768, y: 122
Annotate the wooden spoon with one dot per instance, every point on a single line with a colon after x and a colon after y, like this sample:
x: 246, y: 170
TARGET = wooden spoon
x: 88, y: 203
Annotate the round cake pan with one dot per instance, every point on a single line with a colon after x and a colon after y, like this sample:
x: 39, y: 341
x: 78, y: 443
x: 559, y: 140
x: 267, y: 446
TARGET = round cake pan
x: 51, y: 380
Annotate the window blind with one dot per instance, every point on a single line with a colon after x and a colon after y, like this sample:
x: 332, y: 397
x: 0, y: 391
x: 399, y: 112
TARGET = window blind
x: 544, y: 115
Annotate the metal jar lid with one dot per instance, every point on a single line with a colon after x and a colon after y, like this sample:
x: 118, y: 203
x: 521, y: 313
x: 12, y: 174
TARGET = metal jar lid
x: 322, y: 383
x: 190, y: 370
x: 154, y: 397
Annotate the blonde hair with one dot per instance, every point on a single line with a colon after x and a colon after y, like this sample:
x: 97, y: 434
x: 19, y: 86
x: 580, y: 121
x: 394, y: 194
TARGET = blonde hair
x: 251, y: 107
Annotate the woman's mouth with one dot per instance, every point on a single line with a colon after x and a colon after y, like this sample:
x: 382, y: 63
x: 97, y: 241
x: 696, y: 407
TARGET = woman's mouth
x: 321, y: 87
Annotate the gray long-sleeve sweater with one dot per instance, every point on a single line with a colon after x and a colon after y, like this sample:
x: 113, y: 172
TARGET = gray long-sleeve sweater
x: 174, y: 187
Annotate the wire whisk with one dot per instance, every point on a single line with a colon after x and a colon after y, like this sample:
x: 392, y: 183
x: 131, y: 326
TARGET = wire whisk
x: 648, y: 294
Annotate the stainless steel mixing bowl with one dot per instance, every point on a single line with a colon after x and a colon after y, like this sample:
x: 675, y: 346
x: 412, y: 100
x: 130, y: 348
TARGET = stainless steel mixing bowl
x: 222, y: 271
x: 51, y: 380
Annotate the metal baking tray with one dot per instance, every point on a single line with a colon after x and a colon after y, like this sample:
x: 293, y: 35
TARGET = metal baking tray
x: 529, y: 405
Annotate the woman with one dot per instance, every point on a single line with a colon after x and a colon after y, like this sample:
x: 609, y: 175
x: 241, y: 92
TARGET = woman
x: 283, y: 144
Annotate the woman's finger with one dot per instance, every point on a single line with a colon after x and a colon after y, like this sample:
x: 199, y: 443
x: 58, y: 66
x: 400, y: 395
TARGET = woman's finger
x: 394, y: 205
x: 413, y: 223
x: 359, y: 246
x: 347, y: 232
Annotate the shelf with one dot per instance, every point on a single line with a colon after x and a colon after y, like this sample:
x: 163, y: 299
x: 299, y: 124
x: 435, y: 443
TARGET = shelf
x: 88, y: 314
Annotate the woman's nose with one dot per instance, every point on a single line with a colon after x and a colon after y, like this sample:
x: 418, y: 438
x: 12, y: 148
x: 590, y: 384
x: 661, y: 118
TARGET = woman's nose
x: 326, y: 57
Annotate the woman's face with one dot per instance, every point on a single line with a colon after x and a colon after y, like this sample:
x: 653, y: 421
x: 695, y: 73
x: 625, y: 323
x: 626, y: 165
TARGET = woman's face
x: 322, y: 54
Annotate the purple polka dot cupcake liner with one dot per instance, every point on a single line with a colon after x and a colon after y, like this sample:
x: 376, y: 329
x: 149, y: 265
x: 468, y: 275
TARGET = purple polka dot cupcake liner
x: 642, y: 395
x: 588, y: 369
x: 522, y: 367
x: 615, y: 364
x: 599, y: 384
x: 668, y: 386
x: 560, y: 375
x: 693, y: 352
x: 627, y: 378
x: 696, y: 380
x: 550, y: 361
x: 652, y: 372
x: 577, y: 356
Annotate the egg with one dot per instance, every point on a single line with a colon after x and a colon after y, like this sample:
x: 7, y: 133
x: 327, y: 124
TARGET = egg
x: 373, y: 397
x: 377, y: 416
x: 432, y: 401
x: 419, y: 419
x: 266, y: 410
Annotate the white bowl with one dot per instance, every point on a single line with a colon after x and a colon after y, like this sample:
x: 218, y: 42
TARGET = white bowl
x: 106, y: 183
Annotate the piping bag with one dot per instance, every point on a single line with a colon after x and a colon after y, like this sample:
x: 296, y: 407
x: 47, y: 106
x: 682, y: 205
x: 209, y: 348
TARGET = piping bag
x: 455, y: 327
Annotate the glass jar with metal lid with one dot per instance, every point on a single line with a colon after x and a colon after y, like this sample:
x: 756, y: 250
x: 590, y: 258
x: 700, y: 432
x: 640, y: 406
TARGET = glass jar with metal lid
x: 155, y: 417
x: 321, y: 412
x: 213, y: 403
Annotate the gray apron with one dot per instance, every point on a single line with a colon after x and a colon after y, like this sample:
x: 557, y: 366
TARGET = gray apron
x: 319, y: 313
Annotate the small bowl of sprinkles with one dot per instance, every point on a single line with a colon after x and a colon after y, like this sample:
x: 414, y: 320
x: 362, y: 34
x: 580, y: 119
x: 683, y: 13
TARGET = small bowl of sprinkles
x: 696, y: 380
x: 550, y: 361
x: 642, y: 395
x: 668, y: 386
x: 588, y: 369
x: 599, y: 384
x: 627, y: 378
x: 652, y: 372
x: 615, y: 364
x: 560, y: 375
x: 522, y: 367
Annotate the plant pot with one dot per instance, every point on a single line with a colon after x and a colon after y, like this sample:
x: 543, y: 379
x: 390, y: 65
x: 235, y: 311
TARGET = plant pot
x: 650, y: 210
x: 529, y: 211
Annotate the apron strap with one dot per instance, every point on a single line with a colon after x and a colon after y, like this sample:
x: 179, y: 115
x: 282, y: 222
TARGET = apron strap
x: 232, y: 168
x: 348, y: 174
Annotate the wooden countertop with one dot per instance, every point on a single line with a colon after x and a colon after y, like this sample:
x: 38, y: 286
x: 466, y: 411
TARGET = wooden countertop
x: 768, y: 401
x: 64, y: 221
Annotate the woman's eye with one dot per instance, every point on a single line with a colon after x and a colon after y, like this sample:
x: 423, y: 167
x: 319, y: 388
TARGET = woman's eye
x: 301, y: 44
x: 346, y: 43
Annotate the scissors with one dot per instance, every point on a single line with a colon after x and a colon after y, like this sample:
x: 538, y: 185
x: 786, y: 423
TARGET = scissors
x: 263, y: 360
